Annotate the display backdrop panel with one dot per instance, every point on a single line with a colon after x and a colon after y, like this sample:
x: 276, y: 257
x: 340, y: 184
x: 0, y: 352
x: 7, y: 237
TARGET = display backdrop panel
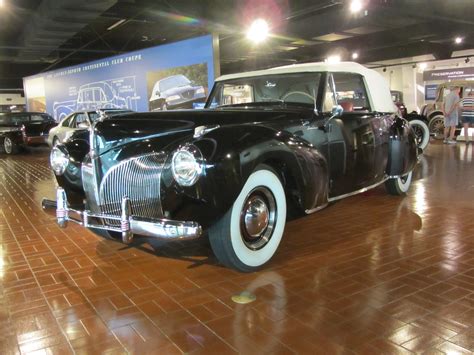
x: 169, y: 76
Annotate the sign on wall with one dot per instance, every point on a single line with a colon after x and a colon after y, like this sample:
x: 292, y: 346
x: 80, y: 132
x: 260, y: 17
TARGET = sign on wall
x: 430, y: 91
x: 176, y: 75
x: 445, y: 74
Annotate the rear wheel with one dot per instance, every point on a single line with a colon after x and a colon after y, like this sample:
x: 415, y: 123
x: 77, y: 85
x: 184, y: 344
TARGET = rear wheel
x: 422, y: 133
x: 9, y: 146
x: 436, y: 126
x: 249, y: 233
x: 400, y: 185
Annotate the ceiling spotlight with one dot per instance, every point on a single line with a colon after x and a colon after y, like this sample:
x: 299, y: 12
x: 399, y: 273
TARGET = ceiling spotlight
x: 458, y: 40
x: 467, y: 60
x: 384, y: 70
x: 355, y: 55
x: 423, y: 66
x: 258, y: 31
x: 356, y: 6
x: 333, y: 59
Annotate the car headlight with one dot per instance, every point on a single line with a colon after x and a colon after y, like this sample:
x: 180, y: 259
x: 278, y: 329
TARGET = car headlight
x: 186, y: 165
x: 200, y: 90
x: 59, y: 159
x: 173, y: 98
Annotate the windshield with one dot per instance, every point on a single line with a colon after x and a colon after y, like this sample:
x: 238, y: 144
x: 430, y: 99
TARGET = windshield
x: 14, y: 118
x: 299, y: 88
x: 173, y: 82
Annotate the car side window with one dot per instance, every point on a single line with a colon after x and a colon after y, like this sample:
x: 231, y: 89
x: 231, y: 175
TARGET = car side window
x: 78, y: 119
x: 351, y: 93
x: 37, y: 118
x: 67, y: 121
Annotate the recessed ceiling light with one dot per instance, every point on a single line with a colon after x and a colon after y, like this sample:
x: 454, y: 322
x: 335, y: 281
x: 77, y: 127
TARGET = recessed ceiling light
x: 258, y: 31
x: 356, y: 6
x: 355, y: 55
x: 458, y: 40
x: 423, y: 66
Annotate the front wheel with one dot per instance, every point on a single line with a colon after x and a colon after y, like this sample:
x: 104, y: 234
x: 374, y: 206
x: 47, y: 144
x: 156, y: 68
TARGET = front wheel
x: 400, y: 185
x: 422, y: 133
x: 249, y: 233
x: 9, y: 146
x: 436, y: 125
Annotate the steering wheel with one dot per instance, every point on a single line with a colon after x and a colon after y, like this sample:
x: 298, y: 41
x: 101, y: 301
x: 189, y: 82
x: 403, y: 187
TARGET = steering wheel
x: 302, y: 93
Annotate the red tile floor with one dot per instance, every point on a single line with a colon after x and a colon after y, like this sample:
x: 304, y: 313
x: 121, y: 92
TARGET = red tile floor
x: 372, y: 274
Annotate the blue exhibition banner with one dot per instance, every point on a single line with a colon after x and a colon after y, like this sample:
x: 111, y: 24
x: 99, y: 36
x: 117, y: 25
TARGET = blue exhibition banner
x: 175, y: 75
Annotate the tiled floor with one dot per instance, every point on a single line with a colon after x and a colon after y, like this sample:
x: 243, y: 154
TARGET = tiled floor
x: 372, y: 274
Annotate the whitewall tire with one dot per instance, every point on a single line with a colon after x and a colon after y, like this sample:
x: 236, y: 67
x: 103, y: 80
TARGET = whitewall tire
x: 250, y: 232
x: 400, y: 185
x: 422, y: 133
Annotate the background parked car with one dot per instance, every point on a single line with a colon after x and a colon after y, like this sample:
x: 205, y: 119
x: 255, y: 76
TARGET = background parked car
x: 418, y: 123
x: 174, y: 92
x: 22, y: 129
x: 433, y: 112
x: 78, y: 121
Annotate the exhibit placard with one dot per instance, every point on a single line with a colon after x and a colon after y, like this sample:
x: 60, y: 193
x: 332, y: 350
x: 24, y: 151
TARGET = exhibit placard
x: 446, y: 74
x: 174, y: 75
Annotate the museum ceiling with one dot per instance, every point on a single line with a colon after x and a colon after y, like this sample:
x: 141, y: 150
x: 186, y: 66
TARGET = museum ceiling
x: 39, y: 35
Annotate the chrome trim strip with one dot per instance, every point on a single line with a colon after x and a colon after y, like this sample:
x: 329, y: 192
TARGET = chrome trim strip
x: 340, y: 197
x: 128, y: 224
x: 316, y: 209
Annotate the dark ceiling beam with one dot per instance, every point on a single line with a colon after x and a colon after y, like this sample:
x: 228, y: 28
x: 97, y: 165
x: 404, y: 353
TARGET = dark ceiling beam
x: 458, y: 11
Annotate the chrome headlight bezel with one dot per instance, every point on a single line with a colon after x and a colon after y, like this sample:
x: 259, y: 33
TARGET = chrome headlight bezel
x: 187, y: 165
x: 59, y: 159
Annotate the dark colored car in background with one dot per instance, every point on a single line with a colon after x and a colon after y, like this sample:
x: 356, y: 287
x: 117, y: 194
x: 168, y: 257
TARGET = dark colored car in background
x: 174, y: 92
x: 21, y: 129
x: 290, y: 139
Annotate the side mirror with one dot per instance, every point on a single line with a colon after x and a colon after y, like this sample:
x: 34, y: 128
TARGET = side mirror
x: 336, y: 111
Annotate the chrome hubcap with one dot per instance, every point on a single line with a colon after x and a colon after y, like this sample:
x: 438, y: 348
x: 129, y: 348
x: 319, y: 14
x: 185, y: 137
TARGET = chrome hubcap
x: 8, y: 145
x: 258, y: 218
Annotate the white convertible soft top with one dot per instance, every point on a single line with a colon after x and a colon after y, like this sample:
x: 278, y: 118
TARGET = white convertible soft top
x: 377, y: 87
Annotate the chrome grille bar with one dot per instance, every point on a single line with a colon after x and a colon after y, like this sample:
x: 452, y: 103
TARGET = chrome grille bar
x: 139, y: 179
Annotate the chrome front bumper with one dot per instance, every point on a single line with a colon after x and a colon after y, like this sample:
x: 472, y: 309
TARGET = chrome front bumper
x: 129, y: 224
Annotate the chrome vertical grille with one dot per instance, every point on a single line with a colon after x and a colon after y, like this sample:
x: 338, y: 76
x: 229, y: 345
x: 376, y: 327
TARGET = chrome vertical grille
x: 139, y: 179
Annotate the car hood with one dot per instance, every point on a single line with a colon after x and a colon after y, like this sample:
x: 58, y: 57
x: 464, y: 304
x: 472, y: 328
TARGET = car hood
x: 164, y: 128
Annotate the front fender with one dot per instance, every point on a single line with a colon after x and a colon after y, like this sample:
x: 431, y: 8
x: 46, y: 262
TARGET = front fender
x: 231, y: 154
x: 403, y: 150
x: 77, y: 148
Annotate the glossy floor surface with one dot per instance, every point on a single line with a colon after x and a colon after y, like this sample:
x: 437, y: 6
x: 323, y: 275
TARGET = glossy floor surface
x: 372, y: 274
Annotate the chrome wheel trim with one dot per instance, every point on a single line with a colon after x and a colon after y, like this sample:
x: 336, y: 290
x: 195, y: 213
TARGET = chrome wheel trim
x: 8, y: 145
x: 258, y: 218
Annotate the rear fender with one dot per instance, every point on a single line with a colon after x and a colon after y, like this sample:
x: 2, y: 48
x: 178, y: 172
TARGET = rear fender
x: 403, y: 151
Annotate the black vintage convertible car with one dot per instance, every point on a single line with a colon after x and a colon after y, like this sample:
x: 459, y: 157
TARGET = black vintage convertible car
x: 288, y: 139
x: 21, y: 129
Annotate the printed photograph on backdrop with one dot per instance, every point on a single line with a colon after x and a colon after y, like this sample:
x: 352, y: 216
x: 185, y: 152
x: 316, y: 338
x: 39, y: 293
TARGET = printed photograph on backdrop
x: 177, y: 88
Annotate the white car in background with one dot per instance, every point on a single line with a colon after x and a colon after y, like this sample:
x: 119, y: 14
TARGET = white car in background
x: 77, y: 121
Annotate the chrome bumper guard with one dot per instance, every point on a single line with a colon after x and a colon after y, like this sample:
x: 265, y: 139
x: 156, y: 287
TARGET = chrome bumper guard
x: 129, y: 224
